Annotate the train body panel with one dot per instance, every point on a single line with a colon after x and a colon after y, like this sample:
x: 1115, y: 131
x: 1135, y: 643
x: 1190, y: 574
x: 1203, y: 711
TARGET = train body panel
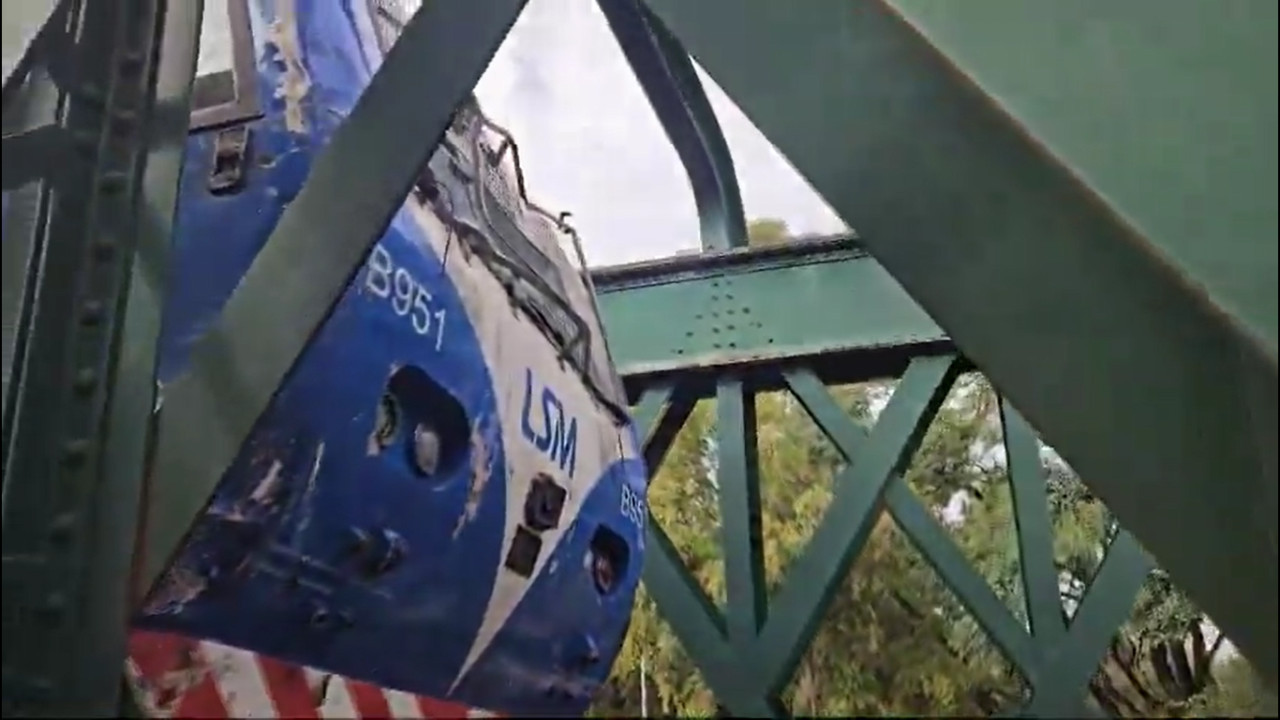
x: 441, y: 499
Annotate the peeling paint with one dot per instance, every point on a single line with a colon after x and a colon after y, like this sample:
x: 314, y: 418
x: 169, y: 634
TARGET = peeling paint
x: 480, y: 471
x: 376, y: 444
x: 180, y: 586
x: 263, y: 494
x: 307, y: 495
x: 295, y: 82
x: 268, y: 486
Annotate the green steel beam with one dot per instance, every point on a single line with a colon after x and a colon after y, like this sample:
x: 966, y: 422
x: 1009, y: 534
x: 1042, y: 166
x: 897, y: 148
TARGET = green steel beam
x: 699, y: 313
x: 1162, y: 399
x: 80, y: 343
x: 1180, y: 139
x: 738, y: 475
x: 355, y: 186
x: 660, y: 413
x: 748, y: 654
x: 1057, y: 660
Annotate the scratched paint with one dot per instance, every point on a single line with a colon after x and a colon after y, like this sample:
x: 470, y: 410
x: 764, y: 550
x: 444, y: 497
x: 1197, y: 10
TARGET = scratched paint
x: 269, y: 487
x: 295, y: 82
x: 179, y: 586
x: 481, y: 471
x: 308, y: 497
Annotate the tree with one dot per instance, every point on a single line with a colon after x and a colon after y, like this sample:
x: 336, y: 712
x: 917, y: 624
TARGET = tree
x: 766, y: 232
x: 1161, y: 660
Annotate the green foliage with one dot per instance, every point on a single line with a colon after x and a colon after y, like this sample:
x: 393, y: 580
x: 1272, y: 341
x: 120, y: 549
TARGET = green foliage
x: 1237, y: 692
x: 762, y: 233
x: 895, y: 642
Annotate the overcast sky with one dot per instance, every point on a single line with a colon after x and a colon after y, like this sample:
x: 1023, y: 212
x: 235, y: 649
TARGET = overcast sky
x: 591, y: 144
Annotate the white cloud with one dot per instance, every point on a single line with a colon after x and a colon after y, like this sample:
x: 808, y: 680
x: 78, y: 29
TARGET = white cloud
x: 592, y: 145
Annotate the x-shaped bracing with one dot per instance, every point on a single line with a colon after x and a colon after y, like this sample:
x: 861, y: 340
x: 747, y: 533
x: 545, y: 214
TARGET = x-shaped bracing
x: 749, y: 651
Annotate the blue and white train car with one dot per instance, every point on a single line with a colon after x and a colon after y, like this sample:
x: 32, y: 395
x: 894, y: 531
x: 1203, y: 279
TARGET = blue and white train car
x: 442, y: 510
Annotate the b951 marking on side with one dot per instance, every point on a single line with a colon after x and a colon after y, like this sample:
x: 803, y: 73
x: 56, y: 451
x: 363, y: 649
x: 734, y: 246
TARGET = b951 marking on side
x: 408, y: 297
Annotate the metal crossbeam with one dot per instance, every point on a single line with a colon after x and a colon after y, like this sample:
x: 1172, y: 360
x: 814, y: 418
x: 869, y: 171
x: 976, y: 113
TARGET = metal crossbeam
x: 701, y: 312
x: 1159, y: 399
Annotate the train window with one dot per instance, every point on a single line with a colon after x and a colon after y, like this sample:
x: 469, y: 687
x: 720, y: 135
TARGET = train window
x: 523, y: 242
x: 225, y: 89
x: 504, y: 213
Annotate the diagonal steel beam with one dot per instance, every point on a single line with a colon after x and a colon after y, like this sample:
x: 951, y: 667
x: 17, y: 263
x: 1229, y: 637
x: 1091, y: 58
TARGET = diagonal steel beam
x: 355, y: 186
x: 1149, y: 388
x: 1180, y: 138
x: 812, y: 578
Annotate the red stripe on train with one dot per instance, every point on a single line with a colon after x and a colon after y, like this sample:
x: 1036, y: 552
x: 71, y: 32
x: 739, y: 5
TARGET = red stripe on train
x: 369, y: 700
x: 173, y: 678
x: 287, y: 685
x: 203, y: 701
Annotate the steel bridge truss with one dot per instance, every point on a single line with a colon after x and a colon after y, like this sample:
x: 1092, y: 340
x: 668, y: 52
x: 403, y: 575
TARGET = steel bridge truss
x: 915, y: 154
x: 748, y: 650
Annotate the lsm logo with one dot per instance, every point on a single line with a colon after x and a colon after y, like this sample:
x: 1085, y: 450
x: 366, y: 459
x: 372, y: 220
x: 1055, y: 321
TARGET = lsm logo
x: 558, y: 437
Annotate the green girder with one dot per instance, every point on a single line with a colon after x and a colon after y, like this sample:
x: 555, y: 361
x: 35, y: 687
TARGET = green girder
x: 748, y: 652
x: 81, y: 325
x: 1161, y: 397
x: 759, y: 306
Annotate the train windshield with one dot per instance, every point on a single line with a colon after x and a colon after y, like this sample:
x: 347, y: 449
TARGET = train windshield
x: 537, y: 255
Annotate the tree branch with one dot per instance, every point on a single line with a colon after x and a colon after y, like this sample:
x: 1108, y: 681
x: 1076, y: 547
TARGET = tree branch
x: 987, y: 697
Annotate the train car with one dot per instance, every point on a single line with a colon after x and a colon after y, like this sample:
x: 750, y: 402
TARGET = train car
x: 441, y: 513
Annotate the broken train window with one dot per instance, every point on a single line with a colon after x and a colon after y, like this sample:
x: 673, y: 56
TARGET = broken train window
x: 523, y: 245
